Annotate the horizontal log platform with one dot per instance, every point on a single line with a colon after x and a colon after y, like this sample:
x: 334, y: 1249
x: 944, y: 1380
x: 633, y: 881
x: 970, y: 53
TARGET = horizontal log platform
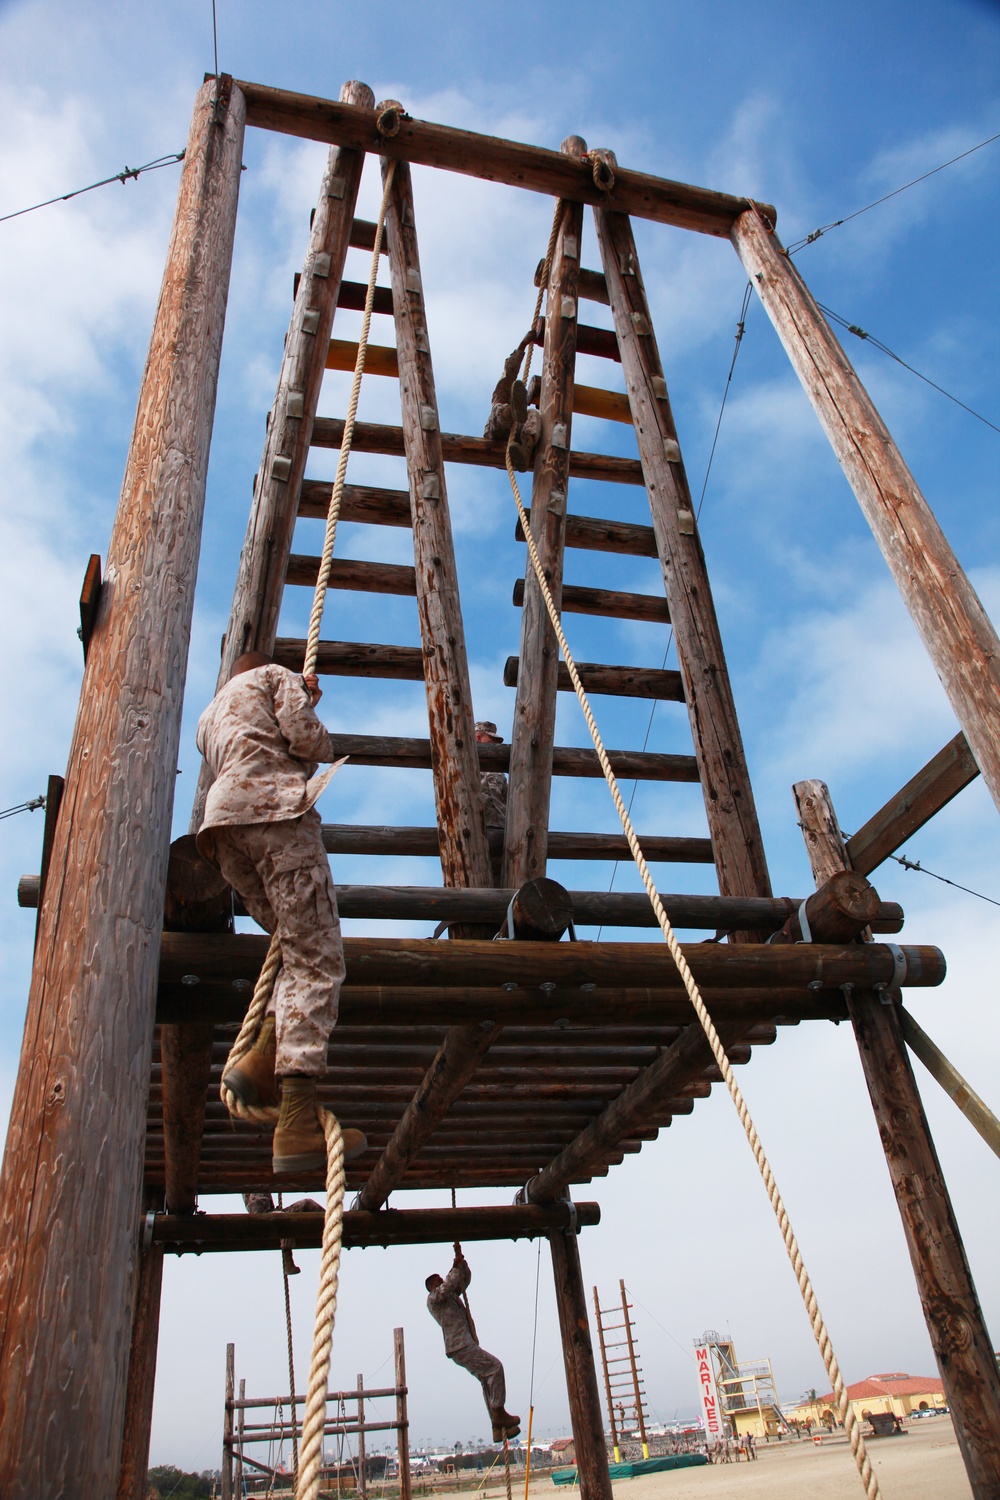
x: 178, y: 1233
x: 354, y: 659
x: 613, y: 603
x: 365, y: 503
x: 418, y: 962
x: 553, y: 173
x: 617, y: 682
x: 594, y: 534
x: 358, y: 577
x: 925, y: 794
x: 567, y: 760
x: 363, y: 838
x: 377, y: 437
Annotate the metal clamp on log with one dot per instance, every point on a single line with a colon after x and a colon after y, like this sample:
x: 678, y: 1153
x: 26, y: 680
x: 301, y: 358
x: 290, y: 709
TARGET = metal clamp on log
x: 891, y: 990
x: 838, y: 912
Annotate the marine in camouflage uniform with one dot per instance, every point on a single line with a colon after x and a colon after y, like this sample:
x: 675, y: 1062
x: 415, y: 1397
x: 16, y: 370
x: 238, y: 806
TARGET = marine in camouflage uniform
x: 262, y: 741
x: 494, y: 789
x: 446, y: 1307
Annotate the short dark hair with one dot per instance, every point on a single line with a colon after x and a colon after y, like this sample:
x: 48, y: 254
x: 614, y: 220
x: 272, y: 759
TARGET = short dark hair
x: 433, y: 1280
x: 248, y: 661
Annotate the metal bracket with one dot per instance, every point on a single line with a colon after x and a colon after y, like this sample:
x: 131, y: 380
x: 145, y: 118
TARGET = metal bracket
x: 147, y: 1231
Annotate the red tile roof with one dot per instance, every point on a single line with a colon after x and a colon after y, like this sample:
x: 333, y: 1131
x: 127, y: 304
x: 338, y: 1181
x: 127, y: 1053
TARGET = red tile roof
x: 896, y: 1383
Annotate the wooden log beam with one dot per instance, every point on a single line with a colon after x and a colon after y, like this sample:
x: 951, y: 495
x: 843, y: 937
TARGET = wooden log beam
x: 581, y: 1375
x: 537, y: 666
x: 841, y: 909
x: 610, y: 602
x: 380, y: 359
x: 600, y: 342
x: 355, y: 659
x: 496, y: 160
x: 954, y: 627
x: 595, y: 534
x: 221, y: 1233
x: 610, y: 406
x: 962, y: 1345
x: 381, y: 961
x: 70, y: 1190
x: 375, y: 437
x: 363, y: 503
x: 593, y: 287
x: 353, y: 294
x: 253, y: 618
x: 959, y: 1090
x: 729, y: 804
x: 617, y: 682
x: 358, y: 577
x: 925, y: 794
x: 134, y: 1460
x: 358, y: 838
x: 379, y: 750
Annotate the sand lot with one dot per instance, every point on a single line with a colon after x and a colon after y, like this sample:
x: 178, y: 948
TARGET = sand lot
x: 924, y: 1464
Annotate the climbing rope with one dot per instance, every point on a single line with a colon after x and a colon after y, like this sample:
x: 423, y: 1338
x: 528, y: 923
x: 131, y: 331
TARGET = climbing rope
x: 286, y: 1256
x: 822, y: 1337
x: 310, y: 1450
x: 506, y: 1465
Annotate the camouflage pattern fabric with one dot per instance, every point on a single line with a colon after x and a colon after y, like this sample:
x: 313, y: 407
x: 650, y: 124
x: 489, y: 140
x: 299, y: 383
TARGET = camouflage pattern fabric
x: 446, y: 1307
x: 494, y: 785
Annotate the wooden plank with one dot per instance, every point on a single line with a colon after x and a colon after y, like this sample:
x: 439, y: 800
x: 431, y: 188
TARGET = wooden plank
x: 952, y: 623
x: 958, y: 1332
x: 141, y: 1375
x: 375, y: 437
x: 581, y: 1375
x: 358, y: 577
x: 359, y: 502
x: 90, y: 599
x: 534, y: 719
x: 54, y: 789
x: 70, y: 1190
x: 392, y: 1226
x: 594, y: 534
x: 380, y: 359
x: 613, y: 603
x: 494, y: 159
x: 925, y: 794
x: 618, y: 682
x: 382, y: 961
x: 253, y: 618
x: 729, y: 804
x: 959, y: 1090
x: 610, y: 406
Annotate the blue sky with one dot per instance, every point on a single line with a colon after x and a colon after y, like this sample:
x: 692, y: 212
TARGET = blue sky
x: 817, y: 109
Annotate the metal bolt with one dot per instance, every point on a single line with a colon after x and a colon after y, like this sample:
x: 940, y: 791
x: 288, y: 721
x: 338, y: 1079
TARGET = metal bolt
x: 190, y: 979
x: 511, y: 984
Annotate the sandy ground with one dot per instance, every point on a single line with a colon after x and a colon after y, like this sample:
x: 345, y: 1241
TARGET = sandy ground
x: 925, y: 1464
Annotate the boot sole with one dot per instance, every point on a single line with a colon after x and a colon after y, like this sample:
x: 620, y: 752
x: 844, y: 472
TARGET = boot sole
x: 311, y: 1161
x: 247, y: 1091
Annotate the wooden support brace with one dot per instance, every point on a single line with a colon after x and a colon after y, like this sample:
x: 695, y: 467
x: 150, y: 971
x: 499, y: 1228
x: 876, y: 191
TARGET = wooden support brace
x: 958, y: 1332
x: 141, y: 1375
x: 581, y: 1374
x: 955, y: 629
x: 925, y: 794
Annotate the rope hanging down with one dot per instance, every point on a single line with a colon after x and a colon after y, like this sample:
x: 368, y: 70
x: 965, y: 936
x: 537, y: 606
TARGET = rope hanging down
x: 314, y: 1421
x: 822, y: 1337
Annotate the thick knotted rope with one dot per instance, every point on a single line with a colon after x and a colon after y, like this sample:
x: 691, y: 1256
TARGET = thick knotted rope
x: 311, y: 1447
x: 817, y: 1323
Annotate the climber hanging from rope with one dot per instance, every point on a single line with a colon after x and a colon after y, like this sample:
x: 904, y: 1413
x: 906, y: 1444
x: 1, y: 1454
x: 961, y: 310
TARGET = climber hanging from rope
x: 449, y: 1307
x: 261, y: 739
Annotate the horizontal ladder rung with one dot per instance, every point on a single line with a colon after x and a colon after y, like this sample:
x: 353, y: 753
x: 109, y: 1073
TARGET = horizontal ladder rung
x: 359, y: 838
x: 594, y: 401
x: 380, y: 359
x: 592, y: 286
x: 617, y: 682
x: 354, y: 659
x: 610, y: 602
x: 567, y: 760
x: 375, y: 437
x: 352, y: 296
x: 364, y: 503
x: 594, y: 534
x: 600, y: 341
x: 359, y: 577
x: 362, y: 237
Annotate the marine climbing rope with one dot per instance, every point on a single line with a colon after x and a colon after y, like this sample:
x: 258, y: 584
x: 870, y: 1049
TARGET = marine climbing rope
x: 310, y: 1451
x: 850, y: 1421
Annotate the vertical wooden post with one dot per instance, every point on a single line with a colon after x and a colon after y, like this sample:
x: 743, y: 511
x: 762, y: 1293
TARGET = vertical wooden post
x: 612, y: 1419
x: 70, y: 1190
x: 362, y: 1459
x: 955, y: 1322
x: 533, y: 735
x: 239, y: 1442
x: 718, y: 744
x: 141, y: 1376
x: 403, y: 1425
x: 636, y: 1390
x: 465, y: 854
x: 227, y: 1424
x: 946, y: 610
x: 53, y: 798
x: 581, y: 1375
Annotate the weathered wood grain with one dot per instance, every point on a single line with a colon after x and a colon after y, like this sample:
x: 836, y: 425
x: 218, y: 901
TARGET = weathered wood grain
x: 729, y: 804
x: 70, y: 1189
x: 613, y: 603
x: 961, y: 1341
x: 952, y: 623
x: 925, y: 794
x: 497, y: 160
x: 534, y: 718
x: 585, y: 1412
x: 361, y: 838
x: 359, y: 577
x: 617, y: 681
x: 595, y: 534
x: 141, y: 1376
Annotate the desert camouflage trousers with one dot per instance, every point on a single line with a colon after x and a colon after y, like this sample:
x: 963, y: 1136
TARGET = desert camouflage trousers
x: 282, y: 872
x: 488, y: 1371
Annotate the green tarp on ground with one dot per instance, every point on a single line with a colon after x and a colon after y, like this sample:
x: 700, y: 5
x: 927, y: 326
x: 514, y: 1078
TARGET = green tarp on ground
x: 641, y: 1466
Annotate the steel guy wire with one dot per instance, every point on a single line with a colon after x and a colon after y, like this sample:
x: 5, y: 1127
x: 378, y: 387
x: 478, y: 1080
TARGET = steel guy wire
x: 30, y: 806
x: 127, y: 174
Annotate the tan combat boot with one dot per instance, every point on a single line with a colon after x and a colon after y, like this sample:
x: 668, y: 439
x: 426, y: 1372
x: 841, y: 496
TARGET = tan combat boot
x: 505, y: 1425
x: 299, y: 1142
x: 252, y: 1080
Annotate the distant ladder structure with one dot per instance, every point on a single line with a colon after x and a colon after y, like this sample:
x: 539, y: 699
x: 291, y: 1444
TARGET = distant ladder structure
x: 623, y: 1386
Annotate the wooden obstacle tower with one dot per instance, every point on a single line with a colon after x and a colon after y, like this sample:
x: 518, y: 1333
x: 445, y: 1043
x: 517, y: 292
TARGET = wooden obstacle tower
x: 523, y: 1063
